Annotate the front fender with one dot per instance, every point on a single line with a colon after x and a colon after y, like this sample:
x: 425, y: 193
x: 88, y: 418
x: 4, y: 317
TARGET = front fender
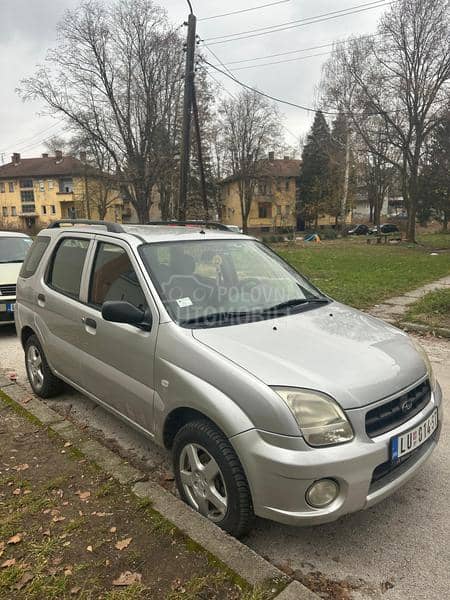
x: 180, y: 388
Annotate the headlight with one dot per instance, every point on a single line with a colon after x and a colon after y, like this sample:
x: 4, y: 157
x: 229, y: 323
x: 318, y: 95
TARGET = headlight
x: 426, y: 360
x: 321, y: 420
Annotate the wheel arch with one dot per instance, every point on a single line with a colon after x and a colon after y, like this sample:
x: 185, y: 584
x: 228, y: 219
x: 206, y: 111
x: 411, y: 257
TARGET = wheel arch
x: 25, y: 333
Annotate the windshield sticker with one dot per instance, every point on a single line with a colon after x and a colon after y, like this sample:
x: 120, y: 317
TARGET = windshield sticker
x: 183, y: 302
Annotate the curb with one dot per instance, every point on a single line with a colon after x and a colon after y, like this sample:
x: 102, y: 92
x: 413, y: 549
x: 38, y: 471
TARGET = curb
x: 419, y: 328
x: 235, y: 555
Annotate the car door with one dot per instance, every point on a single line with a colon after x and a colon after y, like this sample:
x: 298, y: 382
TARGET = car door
x: 117, y: 359
x: 59, y: 310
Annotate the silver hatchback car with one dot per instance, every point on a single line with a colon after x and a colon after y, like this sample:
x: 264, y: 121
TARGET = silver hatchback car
x: 274, y: 399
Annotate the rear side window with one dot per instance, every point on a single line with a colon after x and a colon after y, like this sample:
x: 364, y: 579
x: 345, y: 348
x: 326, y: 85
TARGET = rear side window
x: 34, y: 255
x: 113, y: 278
x: 67, y: 266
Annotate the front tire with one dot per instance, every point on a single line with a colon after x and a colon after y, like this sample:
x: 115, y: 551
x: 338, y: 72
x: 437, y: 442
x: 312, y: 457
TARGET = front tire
x: 42, y: 380
x: 210, y: 477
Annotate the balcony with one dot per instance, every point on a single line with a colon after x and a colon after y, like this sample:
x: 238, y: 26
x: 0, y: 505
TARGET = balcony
x: 27, y: 210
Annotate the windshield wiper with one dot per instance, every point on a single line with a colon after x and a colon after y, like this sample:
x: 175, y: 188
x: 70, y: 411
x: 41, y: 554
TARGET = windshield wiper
x: 214, y: 318
x: 296, y: 302
x: 7, y: 262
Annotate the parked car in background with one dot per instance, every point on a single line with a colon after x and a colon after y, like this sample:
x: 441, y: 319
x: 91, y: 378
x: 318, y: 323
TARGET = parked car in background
x: 13, y: 249
x: 360, y: 229
x: 274, y: 399
x: 234, y: 228
x: 385, y: 228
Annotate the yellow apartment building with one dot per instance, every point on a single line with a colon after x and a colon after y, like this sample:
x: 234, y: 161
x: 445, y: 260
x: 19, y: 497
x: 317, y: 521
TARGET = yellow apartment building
x: 36, y: 191
x: 275, y: 198
x: 276, y: 202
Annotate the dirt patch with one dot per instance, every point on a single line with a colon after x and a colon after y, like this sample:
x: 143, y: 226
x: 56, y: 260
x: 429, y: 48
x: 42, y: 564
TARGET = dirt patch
x: 67, y: 530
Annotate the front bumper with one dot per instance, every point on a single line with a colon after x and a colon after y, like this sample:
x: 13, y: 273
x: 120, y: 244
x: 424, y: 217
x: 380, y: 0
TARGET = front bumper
x: 280, y: 469
x: 6, y: 316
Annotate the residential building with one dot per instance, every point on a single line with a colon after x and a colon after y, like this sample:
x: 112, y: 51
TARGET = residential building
x: 275, y: 197
x: 36, y: 191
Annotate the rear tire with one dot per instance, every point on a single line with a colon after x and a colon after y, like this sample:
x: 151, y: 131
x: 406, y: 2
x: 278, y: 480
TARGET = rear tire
x: 42, y: 380
x: 210, y: 477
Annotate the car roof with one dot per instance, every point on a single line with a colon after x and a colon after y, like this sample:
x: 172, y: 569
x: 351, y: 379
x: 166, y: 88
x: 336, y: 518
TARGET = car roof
x: 147, y: 233
x: 13, y: 234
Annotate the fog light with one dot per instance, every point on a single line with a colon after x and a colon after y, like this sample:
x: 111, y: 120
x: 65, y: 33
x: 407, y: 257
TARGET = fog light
x: 322, y: 493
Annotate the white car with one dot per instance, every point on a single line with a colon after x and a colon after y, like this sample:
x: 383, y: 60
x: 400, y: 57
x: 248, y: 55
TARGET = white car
x: 13, y: 249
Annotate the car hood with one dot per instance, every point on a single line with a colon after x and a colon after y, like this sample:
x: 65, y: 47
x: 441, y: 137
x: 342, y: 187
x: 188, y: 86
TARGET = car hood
x: 343, y: 352
x: 9, y: 273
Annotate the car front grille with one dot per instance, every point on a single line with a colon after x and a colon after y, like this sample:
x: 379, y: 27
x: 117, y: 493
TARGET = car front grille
x: 8, y: 290
x: 388, y: 416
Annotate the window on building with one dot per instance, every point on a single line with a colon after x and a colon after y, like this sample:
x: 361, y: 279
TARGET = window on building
x: 67, y: 266
x: 66, y: 186
x: 13, y: 211
x: 50, y: 184
x: 27, y: 196
x: 264, y: 210
x: 26, y: 183
x: 113, y: 278
x: 2, y: 187
x: 11, y: 186
x: 41, y: 186
x: 262, y: 188
x: 28, y: 208
x: 5, y: 211
x: 53, y: 209
x: 44, y: 209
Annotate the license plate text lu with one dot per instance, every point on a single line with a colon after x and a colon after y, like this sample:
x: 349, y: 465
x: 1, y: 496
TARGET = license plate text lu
x: 412, y: 439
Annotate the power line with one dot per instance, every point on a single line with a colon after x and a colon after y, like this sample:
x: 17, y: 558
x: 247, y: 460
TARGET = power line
x: 289, y: 52
x: 244, y: 10
x: 279, y: 62
x: 35, y: 135
x: 289, y: 103
x: 297, y: 21
x: 304, y: 22
x: 232, y: 77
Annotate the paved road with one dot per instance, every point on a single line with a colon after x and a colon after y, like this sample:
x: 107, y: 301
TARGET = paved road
x: 396, y: 550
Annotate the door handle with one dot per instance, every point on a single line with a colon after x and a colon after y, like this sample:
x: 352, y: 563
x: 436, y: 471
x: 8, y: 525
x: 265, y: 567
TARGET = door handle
x: 41, y: 299
x: 90, y: 323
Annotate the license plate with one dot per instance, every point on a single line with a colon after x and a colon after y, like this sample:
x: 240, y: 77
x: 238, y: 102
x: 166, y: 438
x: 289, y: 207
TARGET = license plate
x: 412, y: 439
x: 11, y: 307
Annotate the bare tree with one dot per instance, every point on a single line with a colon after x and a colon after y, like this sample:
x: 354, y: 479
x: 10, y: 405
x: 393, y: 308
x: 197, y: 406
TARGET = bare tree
x: 115, y: 76
x: 251, y: 127
x: 402, y: 75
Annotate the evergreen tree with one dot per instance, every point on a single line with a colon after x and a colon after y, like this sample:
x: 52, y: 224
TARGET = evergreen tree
x: 315, y: 172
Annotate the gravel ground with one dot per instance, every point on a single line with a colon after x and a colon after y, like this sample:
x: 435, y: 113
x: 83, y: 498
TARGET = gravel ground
x: 398, y: 549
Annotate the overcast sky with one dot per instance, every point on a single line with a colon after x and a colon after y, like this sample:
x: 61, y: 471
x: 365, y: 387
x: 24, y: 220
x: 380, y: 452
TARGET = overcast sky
x: 29, y: 29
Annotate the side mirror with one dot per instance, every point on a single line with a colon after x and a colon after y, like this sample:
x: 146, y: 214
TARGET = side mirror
x: 125, y: 312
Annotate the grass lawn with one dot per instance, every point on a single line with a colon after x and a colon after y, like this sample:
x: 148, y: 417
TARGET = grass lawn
x: 362, y: 275
x: 67, y: 531
x: 432, y: 310
x: 434, y: 240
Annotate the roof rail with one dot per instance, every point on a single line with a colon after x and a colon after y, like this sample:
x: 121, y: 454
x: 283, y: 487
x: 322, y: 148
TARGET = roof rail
x: 192, y: 223
x: 112, y: 227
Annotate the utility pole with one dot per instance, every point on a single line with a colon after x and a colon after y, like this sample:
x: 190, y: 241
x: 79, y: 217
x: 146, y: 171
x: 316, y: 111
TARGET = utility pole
x: 200, y: 154
x: 187, y: 111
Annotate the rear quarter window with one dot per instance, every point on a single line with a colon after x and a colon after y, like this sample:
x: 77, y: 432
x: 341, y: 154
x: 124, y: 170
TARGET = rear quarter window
x: 66, y: 267
x: 34, y: 256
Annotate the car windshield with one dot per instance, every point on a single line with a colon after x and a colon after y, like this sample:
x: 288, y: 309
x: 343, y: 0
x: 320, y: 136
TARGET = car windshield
x: 13, y: 249
x: 221, y: 282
